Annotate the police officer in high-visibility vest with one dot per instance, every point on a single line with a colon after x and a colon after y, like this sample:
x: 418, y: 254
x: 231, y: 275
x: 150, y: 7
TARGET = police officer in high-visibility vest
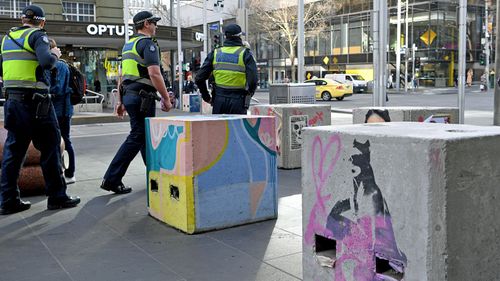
x: 141, y: 78
x: 235, y: 74
x: 29, y: 114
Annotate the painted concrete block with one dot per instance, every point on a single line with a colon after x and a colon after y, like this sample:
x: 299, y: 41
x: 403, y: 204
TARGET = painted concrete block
x: 447, y: 115
x: 292, y: 118
x: 191, y: 102
x: 211, y: 172
x: 401, y: 201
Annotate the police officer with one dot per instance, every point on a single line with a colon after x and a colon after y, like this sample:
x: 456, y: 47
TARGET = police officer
x: 29, y: 114
x: 234, y: 71
x: 141, y: 78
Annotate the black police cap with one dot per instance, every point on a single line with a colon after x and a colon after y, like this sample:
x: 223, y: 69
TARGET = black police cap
x: 143, y: 16
x: 33, y: 12
x: 233, y: 30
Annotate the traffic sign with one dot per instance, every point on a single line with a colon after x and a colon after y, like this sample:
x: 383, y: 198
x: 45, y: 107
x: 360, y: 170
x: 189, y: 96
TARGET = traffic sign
x: 214, y: 26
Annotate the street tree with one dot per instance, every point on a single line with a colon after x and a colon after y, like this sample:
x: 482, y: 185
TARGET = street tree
x: 277, y: 20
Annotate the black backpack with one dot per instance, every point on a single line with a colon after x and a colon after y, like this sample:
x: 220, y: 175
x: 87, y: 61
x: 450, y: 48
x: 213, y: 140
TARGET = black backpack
x: 77, y: 83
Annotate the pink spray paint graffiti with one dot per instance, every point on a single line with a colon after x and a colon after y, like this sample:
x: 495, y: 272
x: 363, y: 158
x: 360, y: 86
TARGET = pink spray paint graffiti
x: 363, y: 231
x: 319, y: 213
x: 316, y: 120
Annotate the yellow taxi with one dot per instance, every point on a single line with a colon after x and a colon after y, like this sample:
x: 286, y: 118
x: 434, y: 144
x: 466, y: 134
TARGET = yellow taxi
x: 326, y: 89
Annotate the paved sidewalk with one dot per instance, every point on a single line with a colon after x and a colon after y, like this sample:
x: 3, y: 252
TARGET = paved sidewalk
x: 111, y: 237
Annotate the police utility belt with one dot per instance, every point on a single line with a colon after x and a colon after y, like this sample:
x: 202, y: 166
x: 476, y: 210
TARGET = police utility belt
x: 43, y: 101
x: 148, y: 99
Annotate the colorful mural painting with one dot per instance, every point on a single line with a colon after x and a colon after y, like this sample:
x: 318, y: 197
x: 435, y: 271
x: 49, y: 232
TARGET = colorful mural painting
x: 191, y: 102
x: 209, y: 172
x: 358, y: 229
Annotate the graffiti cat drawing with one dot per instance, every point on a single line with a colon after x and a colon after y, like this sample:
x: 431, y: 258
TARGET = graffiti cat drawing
x: 363, y: 229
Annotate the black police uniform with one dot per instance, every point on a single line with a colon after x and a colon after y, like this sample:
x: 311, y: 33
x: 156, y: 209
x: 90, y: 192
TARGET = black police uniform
x: 25, y: 125
x: 135, y: 142
x: 228, y: 101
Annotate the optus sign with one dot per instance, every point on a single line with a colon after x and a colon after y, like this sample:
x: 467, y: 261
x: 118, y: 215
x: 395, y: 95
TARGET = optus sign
x: 108, y: 29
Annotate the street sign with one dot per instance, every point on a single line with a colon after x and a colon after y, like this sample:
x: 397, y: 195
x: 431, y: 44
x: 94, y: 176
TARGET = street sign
x: 214, y: 26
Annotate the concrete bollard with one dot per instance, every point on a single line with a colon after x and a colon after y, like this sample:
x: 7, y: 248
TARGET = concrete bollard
x: 291, y: 119
x: 211, y: 172
x: 191, y: 102
x: 401, y: 201
x: 447, y: 115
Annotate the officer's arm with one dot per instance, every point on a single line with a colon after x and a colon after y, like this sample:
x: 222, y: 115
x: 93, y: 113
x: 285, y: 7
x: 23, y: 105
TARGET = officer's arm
x: 151, y: 56
x: 157, y: 80
x: 42, y: 49
x: 203, y: 74
x: 251, y: 72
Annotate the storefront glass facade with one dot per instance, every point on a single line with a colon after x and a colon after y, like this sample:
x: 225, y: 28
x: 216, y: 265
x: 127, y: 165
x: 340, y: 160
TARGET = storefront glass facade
x: 346, y: 42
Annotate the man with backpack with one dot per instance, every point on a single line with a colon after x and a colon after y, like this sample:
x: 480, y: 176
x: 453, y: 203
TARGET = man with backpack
x: 61, y: 91
x: 29, y: 114
x: 141, y: 79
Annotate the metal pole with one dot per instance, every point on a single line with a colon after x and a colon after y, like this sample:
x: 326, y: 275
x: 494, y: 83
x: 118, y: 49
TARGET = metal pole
x: 376, y: 53
x: 125, y: 18
x: 413, y: 50
x: 205, y: 32
x: 300, y: 43
x: 179, y: 52
x: 496, y: 99
x: 406, y: 46
x: 171, y: 12
x: 383, y: 19
x: 487, y: 45
x: 461, y: 59
x: 398, y: 47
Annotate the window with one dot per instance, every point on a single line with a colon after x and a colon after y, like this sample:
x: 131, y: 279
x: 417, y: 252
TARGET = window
x: 12, y: 8
x: 75, y: 11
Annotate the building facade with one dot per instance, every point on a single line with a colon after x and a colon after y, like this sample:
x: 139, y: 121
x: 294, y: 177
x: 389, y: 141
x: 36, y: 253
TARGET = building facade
x: 91, y: 34
x: 345, y: 45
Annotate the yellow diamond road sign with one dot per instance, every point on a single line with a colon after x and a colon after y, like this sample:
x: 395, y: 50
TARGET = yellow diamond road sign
x: 308, y: 76
x: 326, y: 60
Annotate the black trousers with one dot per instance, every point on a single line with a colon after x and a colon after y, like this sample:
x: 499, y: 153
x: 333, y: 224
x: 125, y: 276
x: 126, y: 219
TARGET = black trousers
x: 23, y: 127
x: 229, y: 104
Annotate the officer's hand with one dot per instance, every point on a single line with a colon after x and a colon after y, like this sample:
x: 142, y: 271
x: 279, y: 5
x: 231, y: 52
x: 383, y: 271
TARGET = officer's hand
x: 166, y: 104
x: 120, y: 110
x: 56, y: 51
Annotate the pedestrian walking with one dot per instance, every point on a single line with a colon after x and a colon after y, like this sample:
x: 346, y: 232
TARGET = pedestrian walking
x: 97, y: 85
x: 29, y: 113
x: 484, y: 85
x: 235, y: 73
x: 470, y: 74
x: 189, y: 86
x: 61, y: 93
x: 141, y: 79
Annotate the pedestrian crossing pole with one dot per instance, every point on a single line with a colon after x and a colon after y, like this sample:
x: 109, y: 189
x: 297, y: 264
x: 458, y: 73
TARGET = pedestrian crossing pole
x: 496, y: 99
x: 461, y: 59
x: 300, y: 43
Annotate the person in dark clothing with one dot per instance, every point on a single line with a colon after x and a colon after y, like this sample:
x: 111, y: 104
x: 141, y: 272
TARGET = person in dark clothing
x: 189, y: 86
x: 97, y: 85
x: 61, y: 91
x: 141, y: 79
x: 29, y: 113
x: 235, y: 73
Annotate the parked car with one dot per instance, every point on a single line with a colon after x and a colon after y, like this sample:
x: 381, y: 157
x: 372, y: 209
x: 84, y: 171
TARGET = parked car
x: 358, y: 83
x: 326, y: 89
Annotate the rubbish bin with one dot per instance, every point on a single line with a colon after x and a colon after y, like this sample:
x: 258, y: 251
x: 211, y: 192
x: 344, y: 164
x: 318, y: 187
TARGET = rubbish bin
x: 292, y: 93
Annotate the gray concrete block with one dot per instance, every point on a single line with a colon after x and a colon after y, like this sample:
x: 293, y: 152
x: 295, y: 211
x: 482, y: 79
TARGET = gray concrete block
x: 407, y: 201
x: 291, y: 119
x: 409, y: 114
